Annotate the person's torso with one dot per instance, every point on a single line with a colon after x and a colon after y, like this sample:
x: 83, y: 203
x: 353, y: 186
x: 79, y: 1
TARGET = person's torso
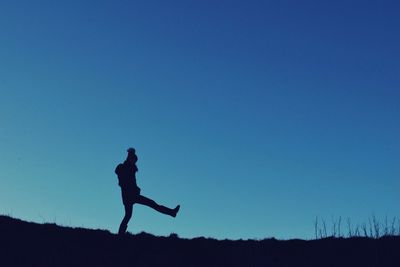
x: 127, y: 178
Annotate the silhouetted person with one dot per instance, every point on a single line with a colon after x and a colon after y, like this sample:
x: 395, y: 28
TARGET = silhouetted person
x: 131, y: 192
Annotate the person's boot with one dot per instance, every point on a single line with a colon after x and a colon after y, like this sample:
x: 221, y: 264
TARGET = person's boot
x: 175, y: 211
x: 122, y: 229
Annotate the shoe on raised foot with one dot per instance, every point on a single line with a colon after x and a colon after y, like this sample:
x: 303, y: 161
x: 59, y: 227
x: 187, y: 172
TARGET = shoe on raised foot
x: 175, y: 211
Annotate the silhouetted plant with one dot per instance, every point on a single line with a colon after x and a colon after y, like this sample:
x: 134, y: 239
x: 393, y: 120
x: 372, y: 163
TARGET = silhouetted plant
x: 374, y: 229
x: 174, y: 236
x: 350, y: 234
x: 364, y: 229
x: 336, y: 227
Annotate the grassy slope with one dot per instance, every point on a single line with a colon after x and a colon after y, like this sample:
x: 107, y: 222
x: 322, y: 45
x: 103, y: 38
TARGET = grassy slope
x: 31, y: 244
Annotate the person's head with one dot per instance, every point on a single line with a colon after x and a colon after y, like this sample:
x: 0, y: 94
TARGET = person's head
x: 132, y: 155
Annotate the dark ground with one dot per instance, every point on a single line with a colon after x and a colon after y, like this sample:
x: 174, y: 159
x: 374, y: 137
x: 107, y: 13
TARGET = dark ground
x: 32, y: 244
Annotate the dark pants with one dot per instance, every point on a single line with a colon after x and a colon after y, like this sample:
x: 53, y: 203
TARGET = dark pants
x: 144, y: 201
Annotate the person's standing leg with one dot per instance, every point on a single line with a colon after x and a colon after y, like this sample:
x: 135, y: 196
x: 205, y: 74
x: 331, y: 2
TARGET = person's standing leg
x: 124, y: 224
x: 152, y: 204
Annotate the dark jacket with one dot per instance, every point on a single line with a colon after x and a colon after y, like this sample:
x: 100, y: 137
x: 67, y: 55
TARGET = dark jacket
x: 127, y: 181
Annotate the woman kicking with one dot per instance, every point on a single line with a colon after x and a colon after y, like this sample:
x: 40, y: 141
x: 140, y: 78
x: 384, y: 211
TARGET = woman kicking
x: 131, y: 192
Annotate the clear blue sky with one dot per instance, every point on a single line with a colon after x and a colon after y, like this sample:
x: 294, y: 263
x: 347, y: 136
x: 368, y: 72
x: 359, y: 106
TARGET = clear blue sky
x: 255, y: 116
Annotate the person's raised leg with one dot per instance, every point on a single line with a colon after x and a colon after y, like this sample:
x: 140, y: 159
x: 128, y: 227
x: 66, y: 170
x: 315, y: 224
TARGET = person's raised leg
x: 124, y: 224
x: 160, y: 208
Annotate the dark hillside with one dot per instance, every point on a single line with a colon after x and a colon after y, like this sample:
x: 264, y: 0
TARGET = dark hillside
x: 31, y: 244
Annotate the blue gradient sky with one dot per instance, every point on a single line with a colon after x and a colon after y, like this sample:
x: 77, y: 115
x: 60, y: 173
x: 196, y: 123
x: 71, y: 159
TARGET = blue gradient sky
x: 255, y: 116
